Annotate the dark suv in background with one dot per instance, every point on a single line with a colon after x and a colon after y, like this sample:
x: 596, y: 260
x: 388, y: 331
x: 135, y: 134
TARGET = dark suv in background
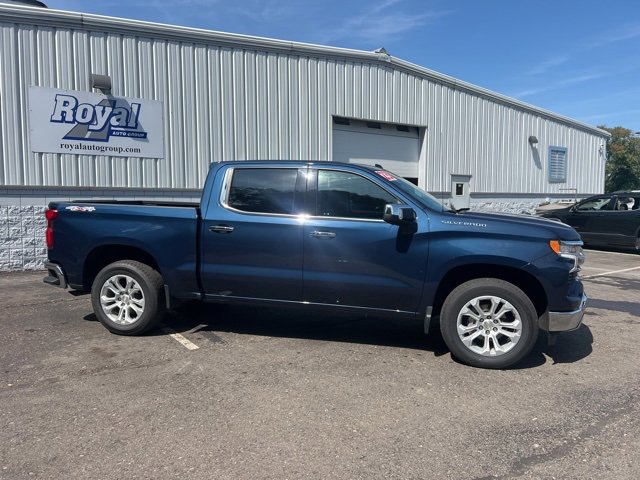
x: 607, y: 220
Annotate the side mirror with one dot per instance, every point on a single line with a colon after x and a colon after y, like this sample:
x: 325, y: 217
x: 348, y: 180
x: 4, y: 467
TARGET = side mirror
x: 399, y: 214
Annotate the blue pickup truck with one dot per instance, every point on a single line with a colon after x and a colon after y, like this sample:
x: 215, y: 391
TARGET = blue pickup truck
x: 341, y: 237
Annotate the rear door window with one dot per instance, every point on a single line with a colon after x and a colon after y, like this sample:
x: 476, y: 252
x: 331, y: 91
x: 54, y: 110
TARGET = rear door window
x: 627, y: 203
x: 263, y: 190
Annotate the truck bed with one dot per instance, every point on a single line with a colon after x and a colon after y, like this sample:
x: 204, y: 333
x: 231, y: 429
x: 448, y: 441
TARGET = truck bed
x: 163, y: 232
x: 150, y: 203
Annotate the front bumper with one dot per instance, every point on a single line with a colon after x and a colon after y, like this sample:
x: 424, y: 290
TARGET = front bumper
x: 564, y: 321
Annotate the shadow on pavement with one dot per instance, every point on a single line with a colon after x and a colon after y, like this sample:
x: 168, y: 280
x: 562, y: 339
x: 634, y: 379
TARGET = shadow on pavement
x: 632, y: 308
x: 206, y: 320
x: 291, y: 323
x: 569, y: 347
x: 625, y: 284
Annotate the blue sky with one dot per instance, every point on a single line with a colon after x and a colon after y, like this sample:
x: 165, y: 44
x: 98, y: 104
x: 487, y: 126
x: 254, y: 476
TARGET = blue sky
x: 579, y: 58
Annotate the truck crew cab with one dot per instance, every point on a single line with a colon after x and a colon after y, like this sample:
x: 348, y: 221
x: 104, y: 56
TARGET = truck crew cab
x: 340, y: 237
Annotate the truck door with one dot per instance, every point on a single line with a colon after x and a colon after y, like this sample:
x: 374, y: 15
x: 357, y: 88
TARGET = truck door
x: 352, y: 258
x: 252, y: 234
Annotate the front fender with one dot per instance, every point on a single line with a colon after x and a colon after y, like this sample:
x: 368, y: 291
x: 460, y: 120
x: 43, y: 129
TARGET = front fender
x: 479, y: 251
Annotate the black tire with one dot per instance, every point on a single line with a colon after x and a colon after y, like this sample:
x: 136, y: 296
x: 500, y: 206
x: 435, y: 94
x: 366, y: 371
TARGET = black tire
x: 496, y: 334
x: 138, y: 304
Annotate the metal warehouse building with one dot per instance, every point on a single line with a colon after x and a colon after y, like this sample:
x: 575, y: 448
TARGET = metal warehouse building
x: 189, y: 97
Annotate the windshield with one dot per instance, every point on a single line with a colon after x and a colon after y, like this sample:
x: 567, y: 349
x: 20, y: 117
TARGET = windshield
x: 426, y: 200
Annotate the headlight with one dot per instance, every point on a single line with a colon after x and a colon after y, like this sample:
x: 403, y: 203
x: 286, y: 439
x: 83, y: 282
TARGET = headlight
x: 571, y: 250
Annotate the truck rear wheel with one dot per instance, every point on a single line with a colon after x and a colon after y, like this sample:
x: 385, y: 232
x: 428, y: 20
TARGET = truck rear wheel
x: 489, y: 323
x: 127, y: 297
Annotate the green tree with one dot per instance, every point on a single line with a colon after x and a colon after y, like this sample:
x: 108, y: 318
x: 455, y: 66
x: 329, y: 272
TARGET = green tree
x: 622, y: 171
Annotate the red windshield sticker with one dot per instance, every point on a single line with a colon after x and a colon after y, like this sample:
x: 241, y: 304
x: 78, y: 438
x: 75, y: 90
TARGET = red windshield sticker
x: 386, y: 175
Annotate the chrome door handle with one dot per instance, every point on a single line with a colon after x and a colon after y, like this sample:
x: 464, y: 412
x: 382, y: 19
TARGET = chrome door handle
x: 220, y: 229
x: 318, y: 234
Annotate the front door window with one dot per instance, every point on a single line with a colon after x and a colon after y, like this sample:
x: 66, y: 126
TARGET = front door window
x: 347, y: 195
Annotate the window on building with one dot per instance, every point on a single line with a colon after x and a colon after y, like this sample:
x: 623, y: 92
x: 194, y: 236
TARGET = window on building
x: 260, y: 190
x: 557, y: 164
x: 346, y: 195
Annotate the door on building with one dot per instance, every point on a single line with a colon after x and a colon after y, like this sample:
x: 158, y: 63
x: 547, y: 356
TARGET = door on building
x: 395, y: 147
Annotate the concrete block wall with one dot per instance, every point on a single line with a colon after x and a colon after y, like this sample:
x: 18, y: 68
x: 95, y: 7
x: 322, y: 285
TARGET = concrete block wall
x: 496, y: 203
x: 506, y: 206
x: 22, y: 237
x: 516, y: 205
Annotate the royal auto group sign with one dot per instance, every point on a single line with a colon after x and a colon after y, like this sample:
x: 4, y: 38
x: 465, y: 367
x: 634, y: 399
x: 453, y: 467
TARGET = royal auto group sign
x: 88, y: 123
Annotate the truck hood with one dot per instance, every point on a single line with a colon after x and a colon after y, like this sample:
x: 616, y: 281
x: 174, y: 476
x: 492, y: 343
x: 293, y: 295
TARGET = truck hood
x: 517, y: 224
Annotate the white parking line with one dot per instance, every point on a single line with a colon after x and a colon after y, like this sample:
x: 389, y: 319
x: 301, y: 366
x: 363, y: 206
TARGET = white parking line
x: 610, y: 273
x: 180, y: 339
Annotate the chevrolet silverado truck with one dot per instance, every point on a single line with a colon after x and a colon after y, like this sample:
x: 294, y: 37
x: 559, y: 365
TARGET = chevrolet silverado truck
x: 339, y: 237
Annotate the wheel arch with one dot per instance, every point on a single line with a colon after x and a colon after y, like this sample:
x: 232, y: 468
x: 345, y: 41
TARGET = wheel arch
x: 104, y: 255
x: 518, y: 277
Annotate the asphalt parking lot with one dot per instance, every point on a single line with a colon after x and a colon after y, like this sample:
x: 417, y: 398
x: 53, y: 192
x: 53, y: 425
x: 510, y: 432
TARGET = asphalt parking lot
x: 252, y: 394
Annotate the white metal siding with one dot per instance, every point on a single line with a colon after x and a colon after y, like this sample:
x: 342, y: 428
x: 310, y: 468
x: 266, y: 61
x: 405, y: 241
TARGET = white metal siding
x: 232, y: 100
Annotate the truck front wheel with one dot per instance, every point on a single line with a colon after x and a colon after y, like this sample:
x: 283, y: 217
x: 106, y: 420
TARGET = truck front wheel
x: 489, y: 323
x: 127, y: 297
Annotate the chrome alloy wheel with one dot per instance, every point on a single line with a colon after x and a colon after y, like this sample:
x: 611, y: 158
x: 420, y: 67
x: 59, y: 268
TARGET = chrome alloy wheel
x: 122, y: 299
x: 489, y: 326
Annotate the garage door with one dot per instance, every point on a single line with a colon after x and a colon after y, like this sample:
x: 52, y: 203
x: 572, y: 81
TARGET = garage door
x: 395, y: 147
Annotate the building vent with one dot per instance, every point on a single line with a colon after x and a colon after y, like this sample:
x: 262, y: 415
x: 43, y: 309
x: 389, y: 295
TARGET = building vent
x: 374, y: 125
x: 557, y: 164
x: 341, y: 121
x: 28, y: 3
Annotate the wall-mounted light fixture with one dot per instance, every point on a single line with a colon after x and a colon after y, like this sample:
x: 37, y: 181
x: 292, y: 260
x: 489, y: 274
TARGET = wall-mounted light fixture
x: 533, y: 140
x: 100, y: 82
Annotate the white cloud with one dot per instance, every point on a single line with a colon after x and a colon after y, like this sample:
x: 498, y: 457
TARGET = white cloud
x: 619, y: 35
x: 381, y: 23
x: 266, y: 11
x: 545, y: 66
x: 609, y: 115
x: 380, y: 26
x: 567, y: 82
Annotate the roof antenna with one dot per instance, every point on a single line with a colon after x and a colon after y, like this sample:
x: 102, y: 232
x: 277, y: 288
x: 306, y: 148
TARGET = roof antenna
x: 377, y: 165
